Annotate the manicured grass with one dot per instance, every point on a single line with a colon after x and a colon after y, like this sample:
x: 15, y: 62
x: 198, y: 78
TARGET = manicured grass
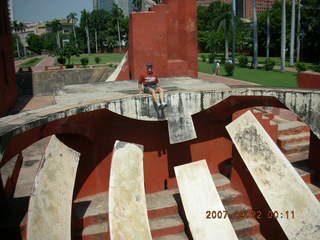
x: 105, y: 58
x: 273, y: 78
x: 261, y: 60
x: 31, y: 62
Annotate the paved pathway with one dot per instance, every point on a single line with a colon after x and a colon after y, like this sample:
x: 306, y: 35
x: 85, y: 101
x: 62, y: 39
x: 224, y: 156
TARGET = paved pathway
x: 220, y: 79
x: 47, y: 61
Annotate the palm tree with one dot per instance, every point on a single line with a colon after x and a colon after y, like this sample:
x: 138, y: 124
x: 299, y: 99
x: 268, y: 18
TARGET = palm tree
x: 86, y: 20
x: 56, y: 27
x: 293, y: 26
x: 298, y: 31
x: 223, y: 21
x: 283, y: 37
x: 268, y: 31
x: 233, y: 30
x: 16, y: 29
x: 255, y: 36
x: 116, y: 13
x: 72, y: 17
x: 22, y: 27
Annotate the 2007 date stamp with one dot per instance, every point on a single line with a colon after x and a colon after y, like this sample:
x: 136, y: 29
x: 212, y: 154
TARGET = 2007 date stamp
x: 288, y: 214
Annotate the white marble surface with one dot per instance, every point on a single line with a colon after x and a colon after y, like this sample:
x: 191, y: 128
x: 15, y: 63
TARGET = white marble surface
x: 281, y: 186
x: 49, y: 215
x: 128, y: 217
x: 199, y: 195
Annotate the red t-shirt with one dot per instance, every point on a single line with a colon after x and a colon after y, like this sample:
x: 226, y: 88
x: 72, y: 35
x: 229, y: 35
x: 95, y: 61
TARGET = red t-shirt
x: 148, y: 79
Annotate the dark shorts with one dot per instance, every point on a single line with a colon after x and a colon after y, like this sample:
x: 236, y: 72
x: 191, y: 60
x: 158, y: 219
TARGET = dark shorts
x: 146, y: 87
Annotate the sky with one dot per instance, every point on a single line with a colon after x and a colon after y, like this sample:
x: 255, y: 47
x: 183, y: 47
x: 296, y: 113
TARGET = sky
x: 44, y: 10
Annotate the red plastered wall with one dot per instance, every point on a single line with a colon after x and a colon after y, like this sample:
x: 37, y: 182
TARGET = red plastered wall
x: 165, y: 36
x: 309, y: 80
x: 8, y: 92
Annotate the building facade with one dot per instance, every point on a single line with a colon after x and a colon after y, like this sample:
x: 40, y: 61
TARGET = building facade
x: 8, y: 92
x: 125, y: 5
x: 244, y: 8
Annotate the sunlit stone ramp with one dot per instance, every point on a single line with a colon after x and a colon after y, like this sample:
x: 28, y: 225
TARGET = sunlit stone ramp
x: 180, y: 123
x: 199, y: 195
x: 281, y: 186
x: 128, y: 217
x: 49, y: 214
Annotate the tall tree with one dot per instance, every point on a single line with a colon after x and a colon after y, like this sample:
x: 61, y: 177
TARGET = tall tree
x: 56, y: 27
x: 223, y: 20
x: 293, y: 28
x: 233, y: 25
x: 86, y: 19
x: 283, y: 37
x: 72, y: 17
x: 16, y: 29
x: 268, y: 31
x: 255, y: 36
x: 117, y: 14
x: 298, y: 31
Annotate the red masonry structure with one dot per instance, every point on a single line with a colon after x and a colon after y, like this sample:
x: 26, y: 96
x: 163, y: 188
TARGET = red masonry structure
x: 8, y: 91
x: 309, y: 80
x: 165, y: 36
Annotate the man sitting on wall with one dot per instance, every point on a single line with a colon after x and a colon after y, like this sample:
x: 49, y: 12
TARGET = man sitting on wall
x: 149, y: 83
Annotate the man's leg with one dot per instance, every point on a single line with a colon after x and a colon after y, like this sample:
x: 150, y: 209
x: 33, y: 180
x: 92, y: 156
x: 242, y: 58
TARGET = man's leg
x: 154, y: 96
x: 161, y: 93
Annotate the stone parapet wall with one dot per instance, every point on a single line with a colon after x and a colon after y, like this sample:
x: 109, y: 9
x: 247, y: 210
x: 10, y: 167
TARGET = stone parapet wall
x: 48, y: 82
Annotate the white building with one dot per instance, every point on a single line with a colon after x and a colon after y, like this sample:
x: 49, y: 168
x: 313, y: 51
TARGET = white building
x: 125, y: 5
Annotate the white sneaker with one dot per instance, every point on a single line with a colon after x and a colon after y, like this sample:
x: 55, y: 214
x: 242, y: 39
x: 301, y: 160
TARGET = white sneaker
x: 164, y: 104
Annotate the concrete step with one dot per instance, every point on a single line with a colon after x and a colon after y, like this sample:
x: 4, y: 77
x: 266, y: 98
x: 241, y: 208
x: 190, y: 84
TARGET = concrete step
x: 178, y: 236
x: 95, y: 232
x: 292, y: 127
x: 294, y: 138
x: 299, y: 156
x: 237, y: 211
x: 253, y: 237
x: 296, y: 147
x: 246, y: 227
x: 167, y: 225
x: 230, y: 196
x: 163, y: 226
x: 94, y: 209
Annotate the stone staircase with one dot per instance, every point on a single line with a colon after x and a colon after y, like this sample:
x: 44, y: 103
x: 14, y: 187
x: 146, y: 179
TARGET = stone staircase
x: 165, y: 213
x: 294, y: 140
x: 293, y: 136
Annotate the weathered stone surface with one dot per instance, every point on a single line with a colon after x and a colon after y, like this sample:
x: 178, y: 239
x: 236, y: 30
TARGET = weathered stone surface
x: 199, y: 195
x: 121, y: 97
x: 128, y: 217
x: 48, y: 82
x: 281, y: 186
x: 49, y: 214
x: 180, y: 123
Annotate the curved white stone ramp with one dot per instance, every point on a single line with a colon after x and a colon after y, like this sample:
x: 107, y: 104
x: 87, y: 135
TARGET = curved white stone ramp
x: 116, y: 72
x: 200, y: 198
x: 282, y: 187
x: 128, y: 217
x: 49, y: 214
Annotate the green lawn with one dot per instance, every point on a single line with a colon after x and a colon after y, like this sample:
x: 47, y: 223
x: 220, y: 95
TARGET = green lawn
x: 273, y: 78
x: 105, y: 58
x: 31, y: 62
x: 261, y: 60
